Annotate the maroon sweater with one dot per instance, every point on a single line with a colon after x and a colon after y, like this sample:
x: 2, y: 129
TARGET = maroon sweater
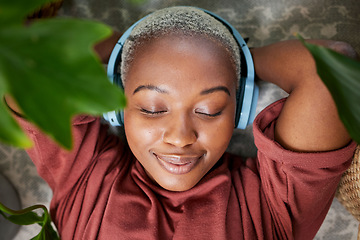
x: 102, y: 192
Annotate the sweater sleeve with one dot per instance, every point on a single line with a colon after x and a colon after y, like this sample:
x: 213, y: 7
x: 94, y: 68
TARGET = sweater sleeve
x: 61, y: 168
x: 299, y: 187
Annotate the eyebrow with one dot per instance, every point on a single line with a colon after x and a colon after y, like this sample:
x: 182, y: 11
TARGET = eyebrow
x: 149, y: 87
x: 215, y: 89
x: 203, y: 92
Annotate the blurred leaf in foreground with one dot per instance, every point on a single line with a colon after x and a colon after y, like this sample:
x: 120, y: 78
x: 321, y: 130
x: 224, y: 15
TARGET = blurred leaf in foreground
x: 341, y: 75
x: 51, y: 71
x: 15, y: 11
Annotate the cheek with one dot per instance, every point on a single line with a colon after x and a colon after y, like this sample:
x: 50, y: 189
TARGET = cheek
x: 217, y: 137
x: 139, y: 133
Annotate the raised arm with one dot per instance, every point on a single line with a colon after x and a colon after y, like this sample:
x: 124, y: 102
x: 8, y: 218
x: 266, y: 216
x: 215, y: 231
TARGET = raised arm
x: 309, y: 121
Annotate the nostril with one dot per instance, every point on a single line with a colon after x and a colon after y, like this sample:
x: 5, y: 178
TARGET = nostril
x: 180, y: 137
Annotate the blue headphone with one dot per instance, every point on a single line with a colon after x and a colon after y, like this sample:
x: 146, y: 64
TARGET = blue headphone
x: 246, y: 95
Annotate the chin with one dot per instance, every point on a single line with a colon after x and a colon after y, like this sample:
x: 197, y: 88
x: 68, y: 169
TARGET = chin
x: 176, y: 185
x: 177, y: 188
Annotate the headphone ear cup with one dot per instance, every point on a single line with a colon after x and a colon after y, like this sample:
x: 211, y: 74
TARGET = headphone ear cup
x: 120, y: 117
x: 239, y: 98
x: 246, y: 106
x: 115, y: 118
x: 119, y: 83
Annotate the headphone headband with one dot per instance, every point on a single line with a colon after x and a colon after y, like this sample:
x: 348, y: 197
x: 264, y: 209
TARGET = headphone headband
x: 247, y: 93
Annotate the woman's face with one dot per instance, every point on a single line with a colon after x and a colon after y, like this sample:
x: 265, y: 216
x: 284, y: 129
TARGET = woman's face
x: 181, y: 108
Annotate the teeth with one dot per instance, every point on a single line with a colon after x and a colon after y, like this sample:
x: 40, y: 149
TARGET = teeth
x: 174, y: 160
x: 180, y: 164
x: 177, y: 164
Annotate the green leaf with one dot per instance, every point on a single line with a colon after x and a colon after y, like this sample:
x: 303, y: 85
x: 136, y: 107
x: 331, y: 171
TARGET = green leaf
x: 47, y: 233
x: 53, y: 74
x: 15, y: 11
x: 10, y: 132
x: 27, y: 216
x: 341, y: 75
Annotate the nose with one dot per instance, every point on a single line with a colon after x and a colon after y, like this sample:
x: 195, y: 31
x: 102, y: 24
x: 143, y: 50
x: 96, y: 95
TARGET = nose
x: 180, y: 132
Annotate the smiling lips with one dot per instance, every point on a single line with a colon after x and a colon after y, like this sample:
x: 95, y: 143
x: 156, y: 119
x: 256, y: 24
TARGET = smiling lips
x: 176, y: 164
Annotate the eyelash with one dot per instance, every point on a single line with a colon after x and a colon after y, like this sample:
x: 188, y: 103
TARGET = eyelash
x: 151, y: 112
x: 210, y: 115
x: 160, y: 112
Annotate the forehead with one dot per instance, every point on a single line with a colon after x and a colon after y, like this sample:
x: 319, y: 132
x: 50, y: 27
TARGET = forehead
x: 182, y: 57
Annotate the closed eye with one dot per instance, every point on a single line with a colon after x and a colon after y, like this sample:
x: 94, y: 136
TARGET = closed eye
x: 209, y: 115
x: 143, y: 110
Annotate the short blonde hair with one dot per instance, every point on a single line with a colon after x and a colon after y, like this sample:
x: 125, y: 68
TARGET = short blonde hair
x: 188, y: 21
